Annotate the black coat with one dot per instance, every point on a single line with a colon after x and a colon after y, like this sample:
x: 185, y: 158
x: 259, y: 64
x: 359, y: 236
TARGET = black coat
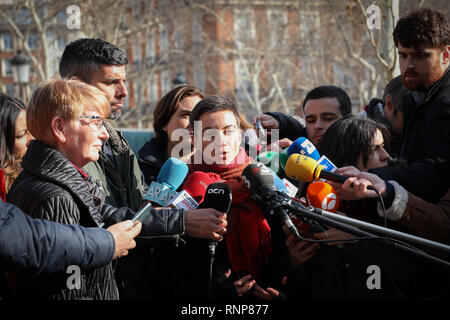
x: 40, y: 246
x: 50, y: 187
x: 288, y: 125
x: 425, y: 144
x: 152, y: 156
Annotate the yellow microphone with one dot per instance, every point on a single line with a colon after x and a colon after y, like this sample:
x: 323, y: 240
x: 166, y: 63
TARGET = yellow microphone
x: 304, y: 168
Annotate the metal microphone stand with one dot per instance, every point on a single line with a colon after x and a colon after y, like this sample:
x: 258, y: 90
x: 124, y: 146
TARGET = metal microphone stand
x: 278, y: 202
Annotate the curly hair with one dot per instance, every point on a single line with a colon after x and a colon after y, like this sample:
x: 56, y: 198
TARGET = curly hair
x: 422, y: 28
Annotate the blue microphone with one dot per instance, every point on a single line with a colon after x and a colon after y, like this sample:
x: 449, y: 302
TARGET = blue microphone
x: 163, y: 190
x: 305, y: 147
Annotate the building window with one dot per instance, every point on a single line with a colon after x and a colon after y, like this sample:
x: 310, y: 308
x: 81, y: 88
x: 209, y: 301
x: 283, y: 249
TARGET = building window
x: 6, y: 68
x: 165, y: 82
x: 152, y: 90
x: 278, y: 21
x: 150, y: 50
x: 244, y: 26
x: 137, y: 53
x: 197, y: 30
x: 199, y: 74
x: 163, y: 39
x: 32, y: 42
x: 6, y: 42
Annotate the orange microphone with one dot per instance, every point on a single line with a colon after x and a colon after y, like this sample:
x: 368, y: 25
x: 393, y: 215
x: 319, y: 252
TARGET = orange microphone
x: 323, y: 196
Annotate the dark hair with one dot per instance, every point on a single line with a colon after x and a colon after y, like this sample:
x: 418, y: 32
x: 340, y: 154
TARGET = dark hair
x: 212, y: 104
x: 83, y: 56
x: 168, y: 105
x: 422, y: 28
x: 9, y: 111
x: 348, y: 138
x: 345, y: 105
x: 397, y: 91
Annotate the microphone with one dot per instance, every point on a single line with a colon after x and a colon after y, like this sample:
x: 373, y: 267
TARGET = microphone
x: 303, y: 168
x: 322, y: 195
x: 218, y: 196
x: 163, y: 190
x: 194, y: 190
x: 259, y: 180
x: 283, y: 185
x: 271, y: 160
x: 305, y: 147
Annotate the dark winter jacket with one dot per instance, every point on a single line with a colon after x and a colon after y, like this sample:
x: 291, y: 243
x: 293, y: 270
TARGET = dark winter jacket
x: 152, y: 156
x: 44, y: 247
x: 425, y: 143
x: 289, y: 126
x: 50, y: 187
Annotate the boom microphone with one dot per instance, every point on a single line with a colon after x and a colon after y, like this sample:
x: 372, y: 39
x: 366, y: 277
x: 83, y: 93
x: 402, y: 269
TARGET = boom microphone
x: 163, y: 190
x: 259, y: 180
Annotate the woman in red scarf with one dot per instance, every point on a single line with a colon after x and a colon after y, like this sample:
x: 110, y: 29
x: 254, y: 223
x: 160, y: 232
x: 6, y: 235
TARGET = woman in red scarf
x: 247, y: 244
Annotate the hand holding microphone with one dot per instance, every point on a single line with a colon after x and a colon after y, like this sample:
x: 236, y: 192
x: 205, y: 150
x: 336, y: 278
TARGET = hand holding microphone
x: 360, y: 184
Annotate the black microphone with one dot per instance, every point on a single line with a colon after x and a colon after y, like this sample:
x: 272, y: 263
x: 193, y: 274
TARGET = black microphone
x: 218, y: 197
x: 259, y: 180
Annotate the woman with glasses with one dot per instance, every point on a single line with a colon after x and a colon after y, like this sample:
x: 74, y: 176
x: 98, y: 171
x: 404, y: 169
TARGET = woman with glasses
x: 15, y: 136
x: 66, y: 117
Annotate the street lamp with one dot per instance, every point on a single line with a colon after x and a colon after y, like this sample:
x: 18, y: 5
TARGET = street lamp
x: 179, y: 80
x: 21, y: 72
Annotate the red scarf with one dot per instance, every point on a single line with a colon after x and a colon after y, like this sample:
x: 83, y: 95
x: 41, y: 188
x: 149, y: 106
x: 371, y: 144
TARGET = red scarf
x: 248, y: 233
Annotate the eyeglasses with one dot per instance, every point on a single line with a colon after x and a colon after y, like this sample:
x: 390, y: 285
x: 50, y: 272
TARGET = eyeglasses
x: 97, y: 123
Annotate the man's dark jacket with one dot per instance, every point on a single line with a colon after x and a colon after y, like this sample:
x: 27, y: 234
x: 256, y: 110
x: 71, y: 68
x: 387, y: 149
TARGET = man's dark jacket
x: 425, y: 144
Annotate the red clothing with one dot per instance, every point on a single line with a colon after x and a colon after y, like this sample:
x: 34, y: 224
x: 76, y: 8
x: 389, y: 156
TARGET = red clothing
x: 248, y: 238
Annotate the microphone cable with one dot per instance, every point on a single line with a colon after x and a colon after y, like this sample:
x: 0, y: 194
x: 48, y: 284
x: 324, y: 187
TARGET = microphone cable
x: 382, y: 204
x: 212, y: 254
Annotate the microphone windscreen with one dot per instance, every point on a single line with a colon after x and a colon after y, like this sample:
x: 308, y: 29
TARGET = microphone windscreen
x: 256, y: 176
x: 322, y: 195
x: 218, y: 196
x: 270, y: 159
x: 284, y: 156
x: 302, y: 168
x: 172, y: 173
x: 303, y: 146
x: 197, y: 183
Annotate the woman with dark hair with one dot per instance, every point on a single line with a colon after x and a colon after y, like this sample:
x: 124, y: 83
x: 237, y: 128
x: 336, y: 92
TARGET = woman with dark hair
x: 171, y: 113
x: 15, y: 136
x: 355, y: 141
x: 334, y: 270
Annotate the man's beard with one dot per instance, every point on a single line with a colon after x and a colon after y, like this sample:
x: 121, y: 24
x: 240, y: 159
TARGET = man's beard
x: 115, y: 114
x: 421, y: 82
x: 415, y: 84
